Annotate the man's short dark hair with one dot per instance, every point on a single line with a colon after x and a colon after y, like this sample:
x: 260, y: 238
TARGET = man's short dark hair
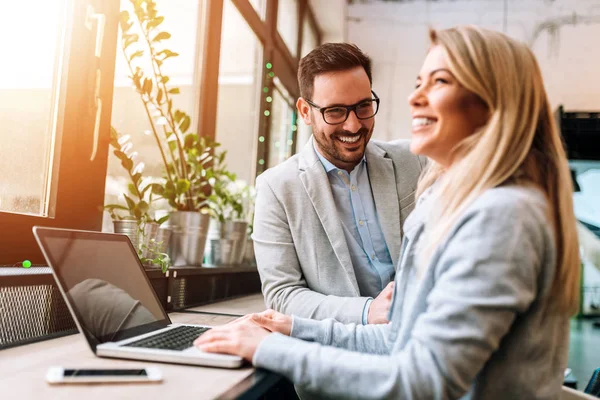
x: 330, y: 57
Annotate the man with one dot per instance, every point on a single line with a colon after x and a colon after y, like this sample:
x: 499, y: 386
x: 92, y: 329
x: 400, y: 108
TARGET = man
x: 328, y: 221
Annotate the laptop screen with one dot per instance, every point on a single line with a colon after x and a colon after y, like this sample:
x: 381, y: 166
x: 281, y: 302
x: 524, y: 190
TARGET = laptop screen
x: 104, y: 282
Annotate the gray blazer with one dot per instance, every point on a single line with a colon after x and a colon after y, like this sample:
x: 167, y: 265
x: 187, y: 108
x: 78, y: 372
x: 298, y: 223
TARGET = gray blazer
x: 302, y: 255
x: 476, y: 325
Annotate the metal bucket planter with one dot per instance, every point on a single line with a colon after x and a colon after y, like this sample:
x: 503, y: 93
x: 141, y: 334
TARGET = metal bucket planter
x: 236, y: 231
x: 130, y: 228
x: 220, y: 252
x: 227, y: 242
x: 188, y: 237
x: 155, y: 240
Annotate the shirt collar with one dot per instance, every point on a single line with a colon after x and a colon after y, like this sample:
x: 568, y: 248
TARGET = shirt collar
x: 326, y: 163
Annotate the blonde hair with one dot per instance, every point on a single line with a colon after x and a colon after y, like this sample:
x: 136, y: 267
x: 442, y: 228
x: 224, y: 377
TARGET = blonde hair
x: 518, y: 144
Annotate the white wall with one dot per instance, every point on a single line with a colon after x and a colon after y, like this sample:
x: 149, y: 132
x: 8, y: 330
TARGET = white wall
x: 395, y: 36
x: 331, y: 17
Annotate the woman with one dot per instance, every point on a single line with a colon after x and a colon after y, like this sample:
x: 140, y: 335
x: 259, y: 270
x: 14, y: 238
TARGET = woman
x: 489, y: 271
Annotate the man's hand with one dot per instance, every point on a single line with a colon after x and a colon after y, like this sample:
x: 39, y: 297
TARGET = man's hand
x: 380, y: 306
x: 274, y: 321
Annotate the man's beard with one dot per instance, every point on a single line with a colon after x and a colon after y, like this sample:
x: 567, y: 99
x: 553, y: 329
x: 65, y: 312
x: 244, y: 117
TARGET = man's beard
x: 328, y: 145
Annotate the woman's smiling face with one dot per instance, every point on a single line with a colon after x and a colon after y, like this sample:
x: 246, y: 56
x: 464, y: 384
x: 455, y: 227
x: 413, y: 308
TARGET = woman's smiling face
x: 443, y: 111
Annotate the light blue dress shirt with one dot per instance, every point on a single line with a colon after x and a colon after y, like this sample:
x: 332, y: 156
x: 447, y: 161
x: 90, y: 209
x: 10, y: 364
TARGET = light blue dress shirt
x: 354, y: 201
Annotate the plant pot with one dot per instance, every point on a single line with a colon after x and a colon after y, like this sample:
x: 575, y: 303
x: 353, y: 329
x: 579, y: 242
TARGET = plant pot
x: 148, y: 239
x: 130, y: 228
x: 233, y: 240
x: 188, y: 237
x: 236, y: 231
x: 221, y: 252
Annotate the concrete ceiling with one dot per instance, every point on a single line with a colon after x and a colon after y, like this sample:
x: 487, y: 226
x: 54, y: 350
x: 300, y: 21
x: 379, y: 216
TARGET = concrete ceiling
x: 331, y: 17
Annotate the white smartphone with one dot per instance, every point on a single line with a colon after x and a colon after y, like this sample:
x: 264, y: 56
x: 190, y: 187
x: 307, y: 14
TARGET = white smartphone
x: 57, y: 375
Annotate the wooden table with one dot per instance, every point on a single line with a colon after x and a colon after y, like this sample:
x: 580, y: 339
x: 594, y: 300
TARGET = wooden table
x: 23, y: 369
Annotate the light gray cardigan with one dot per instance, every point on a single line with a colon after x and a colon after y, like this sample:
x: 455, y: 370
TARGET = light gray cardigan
x: 475, y: 325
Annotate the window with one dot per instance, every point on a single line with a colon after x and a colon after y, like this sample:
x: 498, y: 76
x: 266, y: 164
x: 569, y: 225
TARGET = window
x: 287, y: 23
x: 239, y: 93
x: 31, y: 76
x: 49, y: 118
x: 309, y: 37
x: 283, y: 125
x: 181, y: 21
x: 260, y: 6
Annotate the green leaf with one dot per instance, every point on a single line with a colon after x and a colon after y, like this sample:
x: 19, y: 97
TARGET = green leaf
x: 182, y: 186
x: 178, y: 115
x: 164, y: 79
x: 185, y: 124
x: 155, y: 22
x: 143, y: 207
x: 130, y: 40
x: 130, y: 203
x: 127, y: 164
x: 157, y: 189
x: 132, y: 189
x: 189, y: 140
x: 135, y: 54
x: 147, y: 88
x: 120, y: 155
x: 136, y: 178
x: 163, y: 219
x: 174, y: 91
x: 167, y: 54
x: 161, y: 36
x: 145, y: 189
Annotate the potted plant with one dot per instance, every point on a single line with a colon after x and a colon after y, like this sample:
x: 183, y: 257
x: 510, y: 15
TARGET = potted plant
x: 133, y: 218
x: 229, y: 207
x: 190, y: 161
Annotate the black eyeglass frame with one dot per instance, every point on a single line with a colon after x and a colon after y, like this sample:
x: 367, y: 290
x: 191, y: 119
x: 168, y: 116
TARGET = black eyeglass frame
x: 348, y: 109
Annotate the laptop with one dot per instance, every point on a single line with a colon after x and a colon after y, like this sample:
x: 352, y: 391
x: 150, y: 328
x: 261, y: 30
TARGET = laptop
x: 113, y: 303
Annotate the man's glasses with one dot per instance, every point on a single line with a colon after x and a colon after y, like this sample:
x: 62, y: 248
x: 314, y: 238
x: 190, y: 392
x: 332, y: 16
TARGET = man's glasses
x: 338, y: 114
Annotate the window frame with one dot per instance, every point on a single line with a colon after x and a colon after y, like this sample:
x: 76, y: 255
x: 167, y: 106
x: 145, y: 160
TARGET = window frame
x: 284, y: 65
x: 77, y: 194
x: 77, y: 191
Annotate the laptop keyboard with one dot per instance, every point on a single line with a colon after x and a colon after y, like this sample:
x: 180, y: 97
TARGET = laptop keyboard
x: 179, y: 338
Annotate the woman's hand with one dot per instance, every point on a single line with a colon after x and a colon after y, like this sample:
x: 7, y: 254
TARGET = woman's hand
x: 274, y: 321
x: 240, y: 337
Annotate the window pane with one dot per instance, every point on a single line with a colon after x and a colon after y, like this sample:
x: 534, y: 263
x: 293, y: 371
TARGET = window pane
x: 309, y: 38
x: 283, y: 126
x: 261, y: 7
x: 32, y: 46
x: 239, y: 93
x: 287, y: 23
x: 129, y: 117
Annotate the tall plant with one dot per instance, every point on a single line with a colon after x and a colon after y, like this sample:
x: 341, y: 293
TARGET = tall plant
x: 190, y: 161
